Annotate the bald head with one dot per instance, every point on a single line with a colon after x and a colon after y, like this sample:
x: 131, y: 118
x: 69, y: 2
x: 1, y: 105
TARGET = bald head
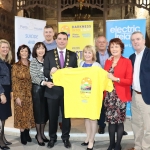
x: 101, y: 44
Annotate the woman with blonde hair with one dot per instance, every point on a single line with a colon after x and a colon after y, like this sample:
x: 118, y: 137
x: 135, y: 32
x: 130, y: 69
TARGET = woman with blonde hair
x: 5, y: 88
x: 89, y: 60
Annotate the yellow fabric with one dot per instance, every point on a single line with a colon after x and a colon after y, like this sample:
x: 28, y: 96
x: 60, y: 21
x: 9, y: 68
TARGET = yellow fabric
x: 79, y: 100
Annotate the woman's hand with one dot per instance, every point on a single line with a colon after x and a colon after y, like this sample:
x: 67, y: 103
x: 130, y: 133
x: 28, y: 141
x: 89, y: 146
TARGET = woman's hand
x: 19, y: 102
x: 49, y: 84
x: 111, y: 77
x: 53, y: 70
x: 3, y: 99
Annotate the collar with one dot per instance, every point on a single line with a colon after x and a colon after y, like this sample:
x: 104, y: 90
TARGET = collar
x: 141, y: 53
x: 64, y: 50
x: 104, y: 53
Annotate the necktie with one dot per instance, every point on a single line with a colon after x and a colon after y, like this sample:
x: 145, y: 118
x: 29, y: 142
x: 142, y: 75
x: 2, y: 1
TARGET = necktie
x: 61, y: 59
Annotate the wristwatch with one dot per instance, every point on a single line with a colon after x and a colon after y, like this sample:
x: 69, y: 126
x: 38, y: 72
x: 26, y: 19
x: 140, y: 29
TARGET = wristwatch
x: 118, y: 80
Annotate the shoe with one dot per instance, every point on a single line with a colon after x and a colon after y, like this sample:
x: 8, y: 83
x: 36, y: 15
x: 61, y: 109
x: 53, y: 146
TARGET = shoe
x: 45, y: 140
x: 51, y: 143
x: 4, y: 147
x: 60, y: 125
x: 101, y: 130
x: 23, y: 138
x: 84, y: 144
x: 132, y: 148
x: 39, y: 143
x: 90, y: 148
x: 28, y: 135
x: 67, y: 143
x: 125, y: 133
x: 7, y: 143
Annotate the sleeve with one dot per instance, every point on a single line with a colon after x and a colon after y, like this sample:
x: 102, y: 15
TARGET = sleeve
x: 15, y: 85
x: 47, y: 67
x: 97, y: 64
x: 34, y: 72
x: 108, y: 83
x: 127, y: 80
x: 1, y: 88
x: 58, y: 77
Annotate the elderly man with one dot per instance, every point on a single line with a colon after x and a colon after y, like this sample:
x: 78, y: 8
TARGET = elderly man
x: 141, y: 92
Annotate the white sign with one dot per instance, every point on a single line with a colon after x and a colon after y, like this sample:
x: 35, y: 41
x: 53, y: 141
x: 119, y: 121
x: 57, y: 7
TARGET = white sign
x: 28, y: 31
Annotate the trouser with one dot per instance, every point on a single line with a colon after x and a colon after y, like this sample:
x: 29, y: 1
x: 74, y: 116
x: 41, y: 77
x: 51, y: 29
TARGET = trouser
x: 53, y: 112
x: 101, y: 121
x: 140, y: 122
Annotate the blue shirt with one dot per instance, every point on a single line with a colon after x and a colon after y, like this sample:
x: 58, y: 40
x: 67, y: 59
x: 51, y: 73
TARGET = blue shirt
x: 103, y: 58
x: 87, y: 65
x: 50, y: 46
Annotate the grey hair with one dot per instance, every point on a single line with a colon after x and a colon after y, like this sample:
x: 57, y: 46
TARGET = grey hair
x: 135, y: 32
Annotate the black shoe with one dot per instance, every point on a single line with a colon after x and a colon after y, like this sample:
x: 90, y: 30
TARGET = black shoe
x: 4, y: 147
x: 23, y: 138
x: 51, y: 143
x: 45, y: 140
x: 89, y: 148
x: 27, y: 135
x: 84, y: 144
x: 7, y: 143
x: 39, y: 143
x: 101, y: 130
x: 67, y: 143
x: 125, y: 133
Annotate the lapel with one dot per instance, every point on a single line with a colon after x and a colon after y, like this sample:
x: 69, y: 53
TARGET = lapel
x: 97, y: 56
x: 144, y: 57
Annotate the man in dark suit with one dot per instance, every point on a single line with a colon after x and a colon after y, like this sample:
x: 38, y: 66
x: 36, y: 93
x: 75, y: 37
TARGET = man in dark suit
x: 57, y: 59
x: 102, y: 55
x: 141, y: 92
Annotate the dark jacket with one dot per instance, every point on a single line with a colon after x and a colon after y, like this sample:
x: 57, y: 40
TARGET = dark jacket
x: 144, y: 74
x: 4, y: 75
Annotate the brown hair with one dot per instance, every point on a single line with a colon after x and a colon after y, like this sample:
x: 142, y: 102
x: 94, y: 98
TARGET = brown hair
x: 116, y: 41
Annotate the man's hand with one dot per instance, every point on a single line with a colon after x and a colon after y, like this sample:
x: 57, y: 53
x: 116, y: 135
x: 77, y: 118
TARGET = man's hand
x: 3, y: 99
x: 53, y: 70
x: 49, y: 84
x: 19, y: 102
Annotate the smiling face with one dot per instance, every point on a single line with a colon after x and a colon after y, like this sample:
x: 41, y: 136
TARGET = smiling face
x: 4, y: 49
x: 101, y: 44
x: 40, y: 51
x: 24, y: 53
x: 138, y: 42
x: 62, y: 41
x: 88, y: 55
x: 48, y: 34
x: 115, y: 49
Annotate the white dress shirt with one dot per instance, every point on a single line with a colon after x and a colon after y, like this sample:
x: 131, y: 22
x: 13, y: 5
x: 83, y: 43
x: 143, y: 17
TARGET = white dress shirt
x: 64, y: 52
x: 136, y: 74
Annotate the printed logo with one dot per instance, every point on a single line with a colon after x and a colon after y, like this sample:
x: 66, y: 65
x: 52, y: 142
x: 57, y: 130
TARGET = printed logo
x: 66, y: 29
x: 85, y: 89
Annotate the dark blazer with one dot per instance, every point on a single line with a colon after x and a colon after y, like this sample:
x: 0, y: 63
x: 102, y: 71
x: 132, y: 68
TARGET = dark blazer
x: 97, y: 57
x: 144, y: 74
x: 4, y: 75
x: 49, y: 63
x: 124, y: 71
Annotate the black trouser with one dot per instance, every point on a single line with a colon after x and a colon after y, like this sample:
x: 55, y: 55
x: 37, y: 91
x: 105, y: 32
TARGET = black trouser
x: 101, y: 121
x: 53, y: 112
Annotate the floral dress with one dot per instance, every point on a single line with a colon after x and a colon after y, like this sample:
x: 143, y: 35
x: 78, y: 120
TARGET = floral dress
x: 115, y: 109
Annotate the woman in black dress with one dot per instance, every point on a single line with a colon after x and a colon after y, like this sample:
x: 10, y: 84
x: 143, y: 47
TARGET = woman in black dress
x: 5, y: 88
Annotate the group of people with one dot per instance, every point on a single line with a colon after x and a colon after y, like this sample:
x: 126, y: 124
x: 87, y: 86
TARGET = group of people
x: 37, y: 99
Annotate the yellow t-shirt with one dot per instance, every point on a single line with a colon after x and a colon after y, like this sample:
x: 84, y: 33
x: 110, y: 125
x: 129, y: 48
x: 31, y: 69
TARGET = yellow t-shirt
x: 83, y: 90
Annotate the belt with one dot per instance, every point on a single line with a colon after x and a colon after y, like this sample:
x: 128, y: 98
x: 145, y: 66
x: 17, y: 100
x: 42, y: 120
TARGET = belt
x: 137, y: 92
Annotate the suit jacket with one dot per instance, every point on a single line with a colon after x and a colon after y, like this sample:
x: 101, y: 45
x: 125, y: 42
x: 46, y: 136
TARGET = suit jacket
x: 51, y: 61
x: 144, y: 74
x: 123, y: 70
x: 5, y: 75
x: 97, y: 57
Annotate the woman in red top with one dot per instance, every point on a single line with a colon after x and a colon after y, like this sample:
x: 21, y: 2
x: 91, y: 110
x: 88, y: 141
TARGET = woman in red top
x: 120, y: 72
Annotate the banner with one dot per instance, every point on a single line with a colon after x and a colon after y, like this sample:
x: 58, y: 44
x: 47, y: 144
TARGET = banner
x: 123, y: 29
x: 28, y: 31
x: 80, y: 34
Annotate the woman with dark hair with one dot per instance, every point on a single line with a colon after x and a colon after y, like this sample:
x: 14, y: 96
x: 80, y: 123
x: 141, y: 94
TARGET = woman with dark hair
x: 21, y: 86
x: 120, y: 72
x: 5, y: 89
x: 38, y: 88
